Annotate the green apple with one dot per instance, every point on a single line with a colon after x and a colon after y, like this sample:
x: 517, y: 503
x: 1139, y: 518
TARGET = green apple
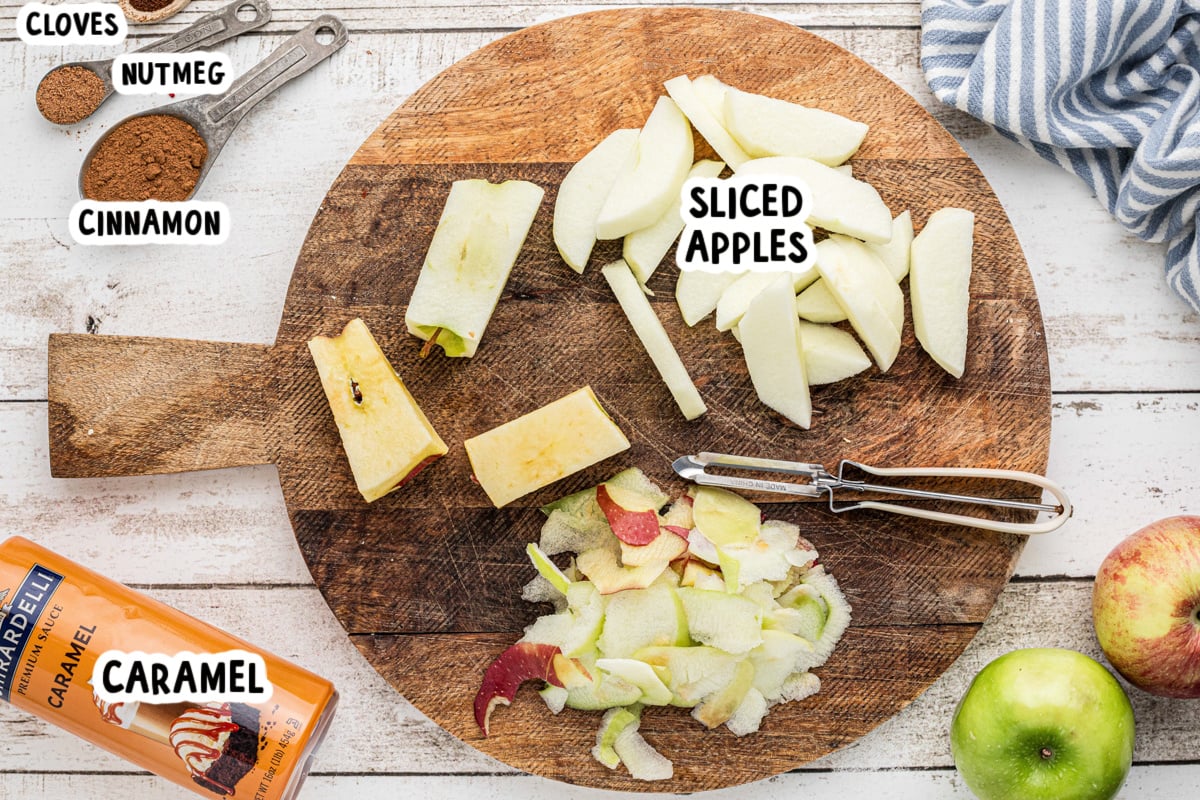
x: 1043, y: 724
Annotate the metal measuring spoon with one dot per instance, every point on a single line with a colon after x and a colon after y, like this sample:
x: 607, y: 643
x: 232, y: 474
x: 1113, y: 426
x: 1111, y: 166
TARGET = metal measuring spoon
x: 215, y: 117
x: 219, y: 26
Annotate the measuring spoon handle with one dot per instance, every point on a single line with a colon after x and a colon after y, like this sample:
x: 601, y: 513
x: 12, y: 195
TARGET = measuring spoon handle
x: 219, y: 26
x: 294, y: 57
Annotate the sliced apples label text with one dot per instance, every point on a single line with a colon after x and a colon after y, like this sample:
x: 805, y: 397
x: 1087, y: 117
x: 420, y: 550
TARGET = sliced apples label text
x: 754, y: 222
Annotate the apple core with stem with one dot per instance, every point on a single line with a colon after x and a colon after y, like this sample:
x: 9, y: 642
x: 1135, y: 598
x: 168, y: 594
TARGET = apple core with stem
x: 1043, y: 724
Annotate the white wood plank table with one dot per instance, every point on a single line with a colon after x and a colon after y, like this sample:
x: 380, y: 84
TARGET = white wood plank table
x: 1124, y: 353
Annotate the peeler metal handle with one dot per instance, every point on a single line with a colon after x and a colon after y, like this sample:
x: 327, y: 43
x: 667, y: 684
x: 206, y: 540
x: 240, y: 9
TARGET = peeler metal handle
x: 821, y: 482
x: 1063, y: 508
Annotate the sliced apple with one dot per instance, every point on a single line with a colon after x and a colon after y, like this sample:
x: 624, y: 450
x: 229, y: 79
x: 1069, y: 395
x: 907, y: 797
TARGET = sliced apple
x: 678, y: 519
x: 612, y: 724
x: 768, y: 558
x: 748, y: 716
x: 838, y: 612
x: 645, y: 249
x: 544, y: 446
x: 939, y: 286
x: 799, y: 686
x: 780, y: 655
x: 643, y: 761
x: 723, y: 517
x: 710, y: 126
x: 817, y: 304
x: 737, y: 298
x: 643, y: 618
x: 653, y: 335
x: 547, y: 568
x: 854, y: 294
x: 601, y: 568
x: 895, y: 253
x: 555, y: 697
x: 478, y: 238
x: 830, y: 354
x: 571, y: 673
x: 524, y: 661
x: 386, y: 436
x: 726, y: 621
x: 586, y: 606
x: 718, y: 707
x: 771, y: 344
x: 649, y: 184
x: 607, y: 691
x: 840, y: 204
x: 877, y: 276
x: 692, y: 673
x: 701, y: 576
x: 711, y: 92
x: 583, y: 191
x: 764, y: 126
x: 625, y: 511
x: 641, y: 675
x: 665, y: 546
x: 700, y: 547
x: 698, y: 293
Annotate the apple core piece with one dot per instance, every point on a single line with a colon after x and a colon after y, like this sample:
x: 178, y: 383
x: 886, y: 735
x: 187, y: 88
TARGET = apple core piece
x: 478, y: 238
x: 544, y: 446
x: 385, y: 435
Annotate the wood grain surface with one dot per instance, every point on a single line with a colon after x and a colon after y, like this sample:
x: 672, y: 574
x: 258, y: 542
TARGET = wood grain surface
x: 426, y: 580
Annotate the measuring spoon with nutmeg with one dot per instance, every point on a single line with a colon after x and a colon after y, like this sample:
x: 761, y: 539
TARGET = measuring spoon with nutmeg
x: 221, y: 25
x: 215, y: 117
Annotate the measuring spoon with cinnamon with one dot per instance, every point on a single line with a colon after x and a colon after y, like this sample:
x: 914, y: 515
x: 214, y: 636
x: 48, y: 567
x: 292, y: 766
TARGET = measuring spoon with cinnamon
x: 72, y: 92
x: 120, y: 163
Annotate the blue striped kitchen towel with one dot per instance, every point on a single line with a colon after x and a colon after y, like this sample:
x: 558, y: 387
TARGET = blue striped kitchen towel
x: 1107, y: 89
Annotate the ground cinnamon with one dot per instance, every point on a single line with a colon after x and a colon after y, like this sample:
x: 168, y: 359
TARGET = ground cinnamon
x: 68, y: 94
x: 155, y: 157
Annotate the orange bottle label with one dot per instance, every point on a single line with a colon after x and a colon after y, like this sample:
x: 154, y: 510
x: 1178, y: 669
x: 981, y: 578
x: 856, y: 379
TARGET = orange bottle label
x: 57, y: 618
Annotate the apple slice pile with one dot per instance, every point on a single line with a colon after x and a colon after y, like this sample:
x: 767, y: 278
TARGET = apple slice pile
x: 629, y: 186
x: 696, y: 602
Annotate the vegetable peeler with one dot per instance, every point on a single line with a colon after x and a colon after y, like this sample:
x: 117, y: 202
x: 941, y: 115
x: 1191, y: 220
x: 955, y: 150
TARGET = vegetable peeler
x: 694, y: 468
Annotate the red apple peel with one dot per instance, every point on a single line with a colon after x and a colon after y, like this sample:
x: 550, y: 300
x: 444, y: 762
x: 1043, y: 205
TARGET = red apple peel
x: 524, y: 661
x: 631, y: 527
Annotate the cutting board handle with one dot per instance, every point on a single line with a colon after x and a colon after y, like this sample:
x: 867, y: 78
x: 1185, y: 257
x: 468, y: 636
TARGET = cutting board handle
x: 130, y: 405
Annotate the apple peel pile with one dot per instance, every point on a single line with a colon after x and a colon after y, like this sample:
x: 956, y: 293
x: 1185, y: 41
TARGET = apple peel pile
x: 695, y: 602
x: 629, y: 186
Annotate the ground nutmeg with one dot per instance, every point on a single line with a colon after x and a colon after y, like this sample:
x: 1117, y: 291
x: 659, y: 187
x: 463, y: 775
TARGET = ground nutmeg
x: 68, y: 94
x: 154, y: 157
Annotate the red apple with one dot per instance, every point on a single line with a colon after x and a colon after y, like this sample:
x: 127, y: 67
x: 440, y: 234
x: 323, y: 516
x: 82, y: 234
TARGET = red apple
x: 524, y: 661
x: 1146, y: 607
x: 628, y: 514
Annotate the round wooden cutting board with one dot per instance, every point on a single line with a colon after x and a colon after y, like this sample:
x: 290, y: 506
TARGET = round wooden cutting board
x: 427, y: 580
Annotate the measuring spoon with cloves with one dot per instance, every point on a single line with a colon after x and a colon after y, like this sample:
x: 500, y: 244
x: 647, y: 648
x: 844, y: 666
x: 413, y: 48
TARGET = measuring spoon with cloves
x: 221, y: 25
x: 215, y: 116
